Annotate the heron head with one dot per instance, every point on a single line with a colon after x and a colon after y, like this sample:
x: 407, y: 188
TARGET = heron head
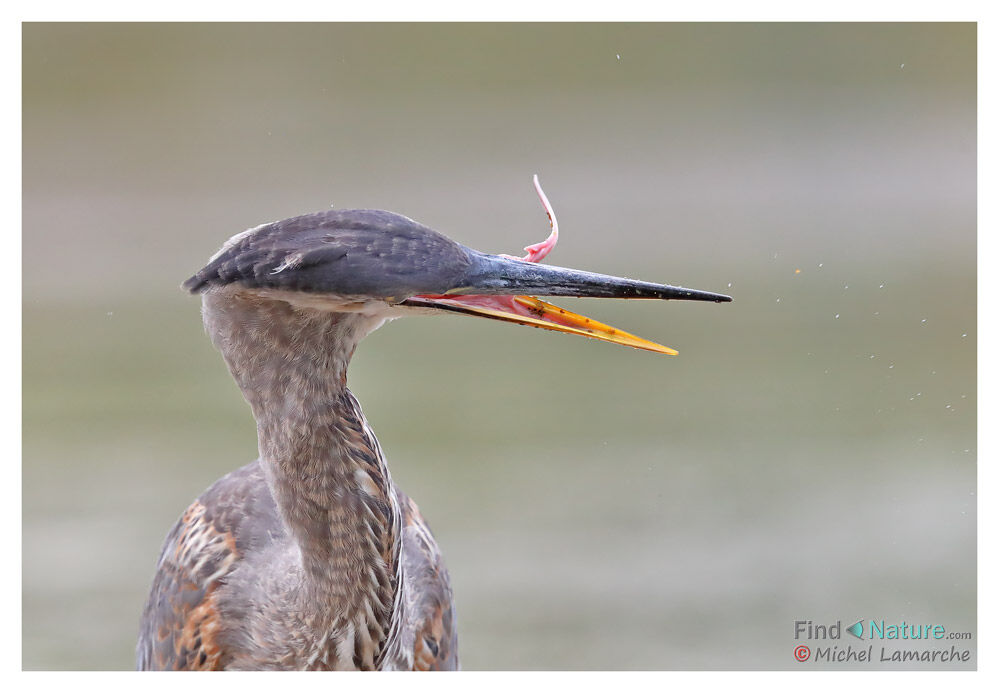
x: 383, y: 263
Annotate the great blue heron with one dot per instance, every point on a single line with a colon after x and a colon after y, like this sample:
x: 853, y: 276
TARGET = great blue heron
x: 311, y: 557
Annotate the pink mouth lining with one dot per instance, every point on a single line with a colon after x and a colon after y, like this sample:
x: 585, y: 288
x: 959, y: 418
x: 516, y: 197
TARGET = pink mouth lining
x: 535, y: 253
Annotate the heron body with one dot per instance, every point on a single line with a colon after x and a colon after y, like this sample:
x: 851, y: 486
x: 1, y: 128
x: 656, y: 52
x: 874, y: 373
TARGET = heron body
x: 310, y: 557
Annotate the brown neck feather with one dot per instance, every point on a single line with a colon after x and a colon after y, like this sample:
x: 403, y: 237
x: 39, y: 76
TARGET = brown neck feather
x: 322, y: 462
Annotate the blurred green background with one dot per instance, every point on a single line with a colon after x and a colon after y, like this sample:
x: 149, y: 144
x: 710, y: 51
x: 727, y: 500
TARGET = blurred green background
x: 809, y: 455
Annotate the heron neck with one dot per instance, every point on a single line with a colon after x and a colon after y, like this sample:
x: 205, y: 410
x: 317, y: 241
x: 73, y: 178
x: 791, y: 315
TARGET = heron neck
x: 323, y: 464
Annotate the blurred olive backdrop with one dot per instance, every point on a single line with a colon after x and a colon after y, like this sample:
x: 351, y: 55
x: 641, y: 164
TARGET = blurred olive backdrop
x: 809, y: 455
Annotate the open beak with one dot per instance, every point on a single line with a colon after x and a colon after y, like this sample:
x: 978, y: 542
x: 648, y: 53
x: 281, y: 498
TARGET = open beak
x: 496, y: 287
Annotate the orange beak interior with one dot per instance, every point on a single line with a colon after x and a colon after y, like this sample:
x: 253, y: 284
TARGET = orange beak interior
x: 531, y: 311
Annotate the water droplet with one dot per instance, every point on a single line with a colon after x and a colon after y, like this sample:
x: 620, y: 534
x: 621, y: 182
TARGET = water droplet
x: 837, y: 316
x: 922, y: 321
x: 778, y: 300
x: 882, y: 286
x: 965, y: 334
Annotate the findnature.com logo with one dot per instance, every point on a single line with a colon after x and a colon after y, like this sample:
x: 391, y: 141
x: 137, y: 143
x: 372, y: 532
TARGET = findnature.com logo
x: 899, y: 642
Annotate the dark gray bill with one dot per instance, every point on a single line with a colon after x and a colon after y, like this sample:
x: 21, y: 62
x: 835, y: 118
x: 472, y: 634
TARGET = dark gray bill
x: 492, y: 275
